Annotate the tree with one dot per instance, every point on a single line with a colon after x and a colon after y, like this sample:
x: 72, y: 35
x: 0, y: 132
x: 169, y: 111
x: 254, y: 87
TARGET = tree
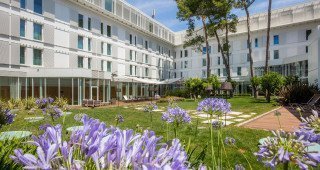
x: 195, y: 86
x: 222, y: 23
x: 271, y: 83
x: 192, y: 11
x: 245, y: 4
x: 212, y: 81
x: 266, y: 68
x: 255, y: 83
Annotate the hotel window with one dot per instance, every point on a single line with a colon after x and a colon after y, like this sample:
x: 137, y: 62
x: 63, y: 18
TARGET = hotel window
x: 204, y: 73
x: 239, y: 71
x: 37, y: 31
x: 204, y: 50
x: 219, y: 60
x: 37, y: 6
x: 101, y: 28
x: 89, y: 63
x: 276, y: 54
x: 174, y: 65
x: 102, y: 65
x: 109, y: 65
x: 146, y: 44
x: 181, y: 74
x: 80, y: 42
x: 307, y: 49
x: 204, y: 62
x: 180, y: 53
x: 181, y: 64
x: 256, y: 42
x: 175, y: 75
x: 146, y: 72
x: 135, y: 40
x: 185, y: 53
x: 132, y: 58
x: 80, y: 62
x: 308, y: 32
x: 174, y: 55
x: 224, y: 72
x: 185, y: 64
x: 132, y: 70
x: 22, y: 55
x: 276, y: 39
x: 89, y: 44
x: 22, y: 28
x: 108, y: 5
x: 37, y: 57
x: 219, y: 73
x: 89, y: 23
x: 150, y: 27
x: 23, y: 4
x: 130, y: 39
x: 80, y: 20
x: 146, y: 60
x: 219, y: 49
x: 109, y: 49
x: 108, y: 30
x: 248, y: 58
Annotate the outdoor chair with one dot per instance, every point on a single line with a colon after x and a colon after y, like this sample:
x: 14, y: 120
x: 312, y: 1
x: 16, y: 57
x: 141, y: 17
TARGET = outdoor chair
x: 311, y: 104
x: 97, y: 103
x: 126, y: 99
x: 90, y: 103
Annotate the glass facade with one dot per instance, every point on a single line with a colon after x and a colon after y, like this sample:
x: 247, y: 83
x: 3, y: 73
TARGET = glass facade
x: 22, y: 28
x: 23, y: 4
x: 22, y: 55
x: 37, y: 6
x: 108, y: 5
x: 80, y: 42
x: 37, y: 31
x: 37, y: 57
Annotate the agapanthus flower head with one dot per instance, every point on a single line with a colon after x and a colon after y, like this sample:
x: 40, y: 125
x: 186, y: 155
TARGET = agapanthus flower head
x: 239, y: 167
x: 308, y: 134
x: 229, y: 141
x: 217, y: 124
x: 107, y: 147
x: 8, y: 116
x: 50, y: 100
x: 277, y: 113
x: 150, y: 107
x: 78, y: 117
x: 285, y: 147
x: 176, y: 115
x: 119, y: 118
x: 214, y: 106
x: 311, y: 122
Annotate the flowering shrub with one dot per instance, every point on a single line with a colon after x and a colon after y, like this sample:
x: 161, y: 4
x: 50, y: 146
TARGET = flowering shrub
x: 119, y: 119
x: 285, y: 148
x: 6, y: 117
x: 47, y: 107
x: 98, y: 146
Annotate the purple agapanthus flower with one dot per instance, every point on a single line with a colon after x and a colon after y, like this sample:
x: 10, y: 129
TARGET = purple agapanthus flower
x: 107, y: 147
x: 177, y: 115
x: 214, y: 105
x: 239, y: 167
x: 119, y: 119
x: 9, y: 117
x: 286, y: 147
x: 150, y: 107
x: 229, y: 141
x: 217, y: 124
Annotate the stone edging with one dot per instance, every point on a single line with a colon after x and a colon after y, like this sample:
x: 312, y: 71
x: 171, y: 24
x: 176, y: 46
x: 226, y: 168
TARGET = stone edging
x: 255, y: 118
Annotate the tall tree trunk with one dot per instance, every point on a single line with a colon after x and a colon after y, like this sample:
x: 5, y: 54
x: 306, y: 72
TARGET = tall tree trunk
x: 228, y: 54
x: 254, y: 89
x: 207, y: 46
x: 266, y: 68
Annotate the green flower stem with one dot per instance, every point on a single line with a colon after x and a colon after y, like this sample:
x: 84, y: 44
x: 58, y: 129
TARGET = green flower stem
x: 286, y: 166
x: 167, y: 131
x: 224, y: 149
x: 244, y: 158
x: 279, y: 121
x: 213, y: 157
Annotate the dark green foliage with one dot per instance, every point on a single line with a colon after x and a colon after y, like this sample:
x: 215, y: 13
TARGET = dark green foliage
x: 178, y: 93
x: 271, y: 83
x: 297, y: 93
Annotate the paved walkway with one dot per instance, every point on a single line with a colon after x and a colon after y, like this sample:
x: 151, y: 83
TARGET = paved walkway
x: 289, y: 121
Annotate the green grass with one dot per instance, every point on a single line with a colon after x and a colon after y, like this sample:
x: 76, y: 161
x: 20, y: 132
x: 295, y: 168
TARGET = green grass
x: 247, y: 139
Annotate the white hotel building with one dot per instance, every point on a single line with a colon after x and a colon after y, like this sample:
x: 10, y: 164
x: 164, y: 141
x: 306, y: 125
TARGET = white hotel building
x: 87, y: 49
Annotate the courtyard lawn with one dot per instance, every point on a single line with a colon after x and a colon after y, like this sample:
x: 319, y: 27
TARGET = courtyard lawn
x: 246, y: 139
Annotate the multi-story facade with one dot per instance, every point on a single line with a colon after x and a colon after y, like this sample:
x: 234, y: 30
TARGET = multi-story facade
x: 104, y: 49
x: 293, y: 47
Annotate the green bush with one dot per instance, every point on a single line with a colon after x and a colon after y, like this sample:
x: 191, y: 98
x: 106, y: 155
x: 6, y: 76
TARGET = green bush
x: 61, y: 103
x: 271, y: 83
x: 178, y: 93
x: 29, y: 103
x: 297, y: 93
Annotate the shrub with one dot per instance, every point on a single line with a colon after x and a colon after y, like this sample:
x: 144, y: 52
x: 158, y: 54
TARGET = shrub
x: 194, y: 86
x: 271, y: 83
x: 297, y: 93
x: 29, y: 103
x: 178, y: 93
x: 61, y: 103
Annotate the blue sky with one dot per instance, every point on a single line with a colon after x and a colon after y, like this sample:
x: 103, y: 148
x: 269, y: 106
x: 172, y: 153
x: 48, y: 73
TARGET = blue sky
x: 166, y: 10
